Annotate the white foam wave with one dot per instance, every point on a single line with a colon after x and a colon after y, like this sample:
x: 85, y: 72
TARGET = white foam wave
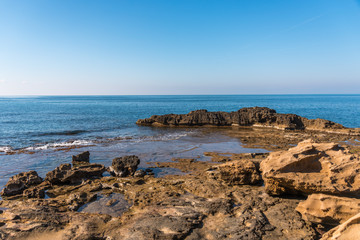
x: 6, y: 149
x: 164, y: 137
x: 60, y: 145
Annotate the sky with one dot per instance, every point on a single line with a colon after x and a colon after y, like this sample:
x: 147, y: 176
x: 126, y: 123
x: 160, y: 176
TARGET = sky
x: 135, y: 47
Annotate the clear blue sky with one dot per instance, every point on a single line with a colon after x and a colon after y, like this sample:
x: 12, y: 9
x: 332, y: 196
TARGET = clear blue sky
x: 179, y: 46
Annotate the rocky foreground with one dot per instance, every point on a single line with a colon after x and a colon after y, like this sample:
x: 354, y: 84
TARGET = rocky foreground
x: 304, y: 189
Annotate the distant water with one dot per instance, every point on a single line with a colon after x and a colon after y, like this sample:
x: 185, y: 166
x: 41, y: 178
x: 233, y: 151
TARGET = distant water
x: 106, y: 125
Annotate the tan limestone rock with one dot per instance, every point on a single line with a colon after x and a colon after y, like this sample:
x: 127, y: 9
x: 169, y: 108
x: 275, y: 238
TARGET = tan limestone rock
x: 349, y: 230
x: 327, y: 209
x: 312, y: 168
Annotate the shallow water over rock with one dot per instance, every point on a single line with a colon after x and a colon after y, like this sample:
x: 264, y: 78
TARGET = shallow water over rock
x: 114, y: 205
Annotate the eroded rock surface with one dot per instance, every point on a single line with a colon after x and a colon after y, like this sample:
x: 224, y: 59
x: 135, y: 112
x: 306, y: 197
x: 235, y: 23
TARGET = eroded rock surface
x: 327, y: 209
x: 349, y: 230
x: 18, y: 183
x: 253, y: 116
x: 124, y: 166
x: 312, y: 168
x: 66, y: 174
x: 239, y: 173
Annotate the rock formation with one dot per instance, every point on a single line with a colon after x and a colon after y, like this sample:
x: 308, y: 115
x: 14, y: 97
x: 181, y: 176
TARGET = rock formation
x: 253, y: 116
x: 81, y: 158
x: 124, y: 166
x: 239, y: 173
x: 66, y: 174
x: 327, y: 209
x: 349, y: 230
x: 312, y: 168
x: 18, y: 183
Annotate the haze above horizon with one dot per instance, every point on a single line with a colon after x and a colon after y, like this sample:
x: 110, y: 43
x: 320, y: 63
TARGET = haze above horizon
x: 89, y: 47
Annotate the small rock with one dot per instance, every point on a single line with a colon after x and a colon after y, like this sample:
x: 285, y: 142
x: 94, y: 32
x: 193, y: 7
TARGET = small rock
x: 139, y: 173
x: 239, y: 173
x: 81, y: 158
x: 111, y: 202
x: 124, y: 166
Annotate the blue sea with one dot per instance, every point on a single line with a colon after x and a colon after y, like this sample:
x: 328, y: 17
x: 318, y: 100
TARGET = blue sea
x: 47, y: 126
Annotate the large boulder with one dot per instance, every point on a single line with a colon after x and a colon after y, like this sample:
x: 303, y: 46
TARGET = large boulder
x: 327, y: 209
x: 239, y: 173
x: 349, y: 230
x: 82, y: 158
x: 65, y: 174
x: 124, y: 166
x: 18, y: 183
x: 312, y: 168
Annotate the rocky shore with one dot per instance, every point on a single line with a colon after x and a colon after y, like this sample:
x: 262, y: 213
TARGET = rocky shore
x: 307, y: 187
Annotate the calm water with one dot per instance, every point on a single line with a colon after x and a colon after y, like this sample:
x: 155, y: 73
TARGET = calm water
x: 105, y: 125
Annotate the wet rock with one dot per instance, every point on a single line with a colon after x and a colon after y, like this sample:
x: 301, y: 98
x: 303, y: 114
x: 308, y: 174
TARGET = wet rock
x: 327, y: 209
x: 347, y: 230
x: 312, y: 168
x: 18, y: 183
x: 253, y: 116
x: 65, y: 174
x: 139, y: 173
x: 124, y: 166
x: 239, y: 173
x: 81, y: 158
x: 76, y: 200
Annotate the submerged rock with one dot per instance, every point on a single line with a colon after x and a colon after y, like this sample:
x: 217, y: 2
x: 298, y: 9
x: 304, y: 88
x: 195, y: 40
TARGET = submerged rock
x: 124, y: 166
x: 81, y: 158
x: 312, y: 168
x: 18, y: 183
x: 253, y: 116
x: 328, y: 209
x: 66, y: 174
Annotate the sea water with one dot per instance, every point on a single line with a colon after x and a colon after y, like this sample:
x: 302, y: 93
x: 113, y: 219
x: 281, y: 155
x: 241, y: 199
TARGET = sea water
x: 49, y: 126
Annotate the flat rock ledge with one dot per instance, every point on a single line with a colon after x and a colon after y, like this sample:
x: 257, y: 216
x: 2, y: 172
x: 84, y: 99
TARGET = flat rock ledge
x: 253, y: 116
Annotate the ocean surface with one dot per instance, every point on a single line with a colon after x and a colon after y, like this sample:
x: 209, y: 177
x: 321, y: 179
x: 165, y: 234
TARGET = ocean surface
x: 49, y: 126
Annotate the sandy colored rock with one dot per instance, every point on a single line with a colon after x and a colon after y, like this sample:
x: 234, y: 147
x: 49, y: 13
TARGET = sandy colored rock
x: 312, y: 168
x: 327, y: 209
x: 349, y: 230
x: 18, y: 183
x: 239, y: 173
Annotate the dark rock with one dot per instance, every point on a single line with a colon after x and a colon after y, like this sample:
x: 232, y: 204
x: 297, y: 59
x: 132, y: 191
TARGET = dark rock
x: 18, y: 183
x: 254, y: 116
x: 34, y: 193
x: 139, y: 173
x: 64, y: 174
x: 81, y: 158
x: 124, y: 166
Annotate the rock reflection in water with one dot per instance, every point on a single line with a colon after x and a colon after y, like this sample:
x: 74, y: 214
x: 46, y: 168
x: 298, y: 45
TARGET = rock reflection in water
x: 114, y: 205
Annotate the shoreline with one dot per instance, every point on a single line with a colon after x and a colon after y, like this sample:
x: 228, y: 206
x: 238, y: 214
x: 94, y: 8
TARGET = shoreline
x: 231, y: 195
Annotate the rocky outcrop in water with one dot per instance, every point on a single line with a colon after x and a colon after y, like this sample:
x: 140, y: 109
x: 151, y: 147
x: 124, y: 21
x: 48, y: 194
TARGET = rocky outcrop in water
x: 18, y: 183
x: 124, y: 166
x: 312, y: 168
x: 253, y: 116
